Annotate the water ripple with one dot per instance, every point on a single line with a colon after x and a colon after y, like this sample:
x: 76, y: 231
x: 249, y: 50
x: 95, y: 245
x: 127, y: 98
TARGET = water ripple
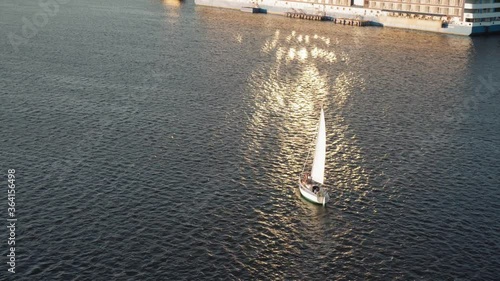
x: 162, y: 140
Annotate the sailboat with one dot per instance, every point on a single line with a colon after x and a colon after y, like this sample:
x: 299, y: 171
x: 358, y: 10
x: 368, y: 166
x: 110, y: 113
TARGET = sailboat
x: 311, y: 184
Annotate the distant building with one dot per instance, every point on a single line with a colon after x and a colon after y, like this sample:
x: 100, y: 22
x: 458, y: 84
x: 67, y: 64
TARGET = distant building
x: 444, y: 16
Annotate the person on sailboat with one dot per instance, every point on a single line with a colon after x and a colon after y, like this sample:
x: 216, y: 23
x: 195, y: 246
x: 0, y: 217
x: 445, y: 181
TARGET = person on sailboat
x: 307, y: 178
x: 315, y: 189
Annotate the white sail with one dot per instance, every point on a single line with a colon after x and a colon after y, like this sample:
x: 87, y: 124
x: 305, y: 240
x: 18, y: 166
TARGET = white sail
x: 318, y: 167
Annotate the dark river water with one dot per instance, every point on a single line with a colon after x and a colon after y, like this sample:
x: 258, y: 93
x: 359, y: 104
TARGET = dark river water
x: 159, y: 140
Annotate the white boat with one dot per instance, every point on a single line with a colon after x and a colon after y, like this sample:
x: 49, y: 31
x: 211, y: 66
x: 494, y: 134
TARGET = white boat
x: 311, y: 184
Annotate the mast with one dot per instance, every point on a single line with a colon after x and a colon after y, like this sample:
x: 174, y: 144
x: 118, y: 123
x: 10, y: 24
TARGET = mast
x: 318, y: 166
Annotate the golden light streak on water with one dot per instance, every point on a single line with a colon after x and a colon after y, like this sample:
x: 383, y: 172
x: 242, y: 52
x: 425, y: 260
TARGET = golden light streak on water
x: 172, y: 10
x: 271, y: 43
x: 280, y: 52
x: 291, y: 53
x: 314, y: 52
x: 302, y: 46
x: 286, y: 105
x: 303, y: 54
x: 343, y: 84
x: 286, y: 98
x: 171, y: 3
x: 239, y: 38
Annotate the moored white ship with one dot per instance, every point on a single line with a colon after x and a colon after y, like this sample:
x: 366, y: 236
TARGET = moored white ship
x: 462, y: 17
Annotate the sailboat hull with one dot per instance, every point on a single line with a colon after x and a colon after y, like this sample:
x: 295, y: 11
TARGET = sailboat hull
x: 321, y: 197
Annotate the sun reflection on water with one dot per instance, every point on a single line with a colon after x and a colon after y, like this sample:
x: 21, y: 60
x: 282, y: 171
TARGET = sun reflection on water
x: 301, y: 47
x: 239, y: 38
x: 172, y: 10
x: 286, y: 97
x: 172, y: 3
